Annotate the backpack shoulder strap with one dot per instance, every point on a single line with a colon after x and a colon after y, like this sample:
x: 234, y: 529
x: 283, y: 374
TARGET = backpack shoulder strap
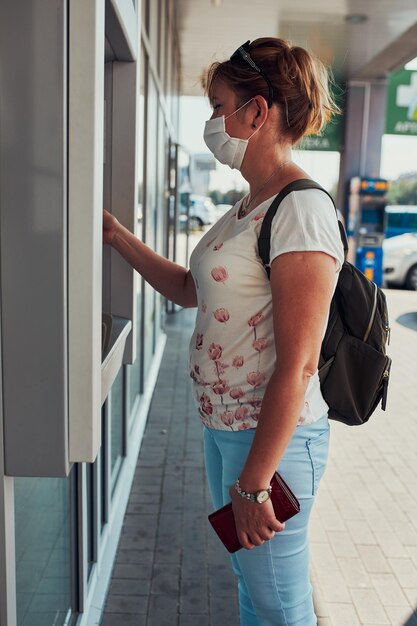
x: 264, y: 239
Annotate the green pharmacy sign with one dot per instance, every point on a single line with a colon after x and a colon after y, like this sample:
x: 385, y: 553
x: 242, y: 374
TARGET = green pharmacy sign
x: 330, y: 139
x: 401, y: 115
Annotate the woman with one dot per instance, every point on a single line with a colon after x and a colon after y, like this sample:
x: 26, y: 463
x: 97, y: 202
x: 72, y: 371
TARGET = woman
x: 256, y: 344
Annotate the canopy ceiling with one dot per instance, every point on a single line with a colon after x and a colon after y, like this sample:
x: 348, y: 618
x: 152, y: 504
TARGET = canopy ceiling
x: 384, y: 41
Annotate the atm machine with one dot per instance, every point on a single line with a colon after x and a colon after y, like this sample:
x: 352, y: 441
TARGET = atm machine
x: 68, y: 132
x: 366, y: 225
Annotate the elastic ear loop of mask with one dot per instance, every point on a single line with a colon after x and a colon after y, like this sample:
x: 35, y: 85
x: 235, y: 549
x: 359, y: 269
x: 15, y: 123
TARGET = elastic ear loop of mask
x: 241, y: 107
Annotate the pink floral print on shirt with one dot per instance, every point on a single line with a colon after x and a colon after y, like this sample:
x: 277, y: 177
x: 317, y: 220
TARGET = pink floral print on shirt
x: 220, y: 368
x: 219, y: 274
x: 227, y: 417
x: 215, y: 351
x: 238, y: 361
x: 258, y: 217
x: 222, y: 315
x: 260, y: 344
x: 256, y: 379
x: 199, y: 341
x: 220, y: 387
x: 236, y: 393
x: 256, y: 319
x: 205, y: 404
x: 241, y: 413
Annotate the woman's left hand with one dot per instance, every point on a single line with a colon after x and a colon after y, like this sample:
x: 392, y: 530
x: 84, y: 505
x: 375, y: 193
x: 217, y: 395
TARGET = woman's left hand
x: 255, y: 523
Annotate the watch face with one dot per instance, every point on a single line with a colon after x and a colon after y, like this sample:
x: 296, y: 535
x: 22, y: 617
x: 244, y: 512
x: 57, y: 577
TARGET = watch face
x: 262, y: 496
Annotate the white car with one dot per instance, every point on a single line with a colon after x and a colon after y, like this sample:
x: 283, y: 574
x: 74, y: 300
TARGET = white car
x: 202, y: 211
x: 400, y: 261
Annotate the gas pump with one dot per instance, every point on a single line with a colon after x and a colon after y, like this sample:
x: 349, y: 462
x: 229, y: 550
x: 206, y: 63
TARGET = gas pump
x: 366, y: 225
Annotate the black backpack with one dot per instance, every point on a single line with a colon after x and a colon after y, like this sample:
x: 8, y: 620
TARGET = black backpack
x: 353, y: 367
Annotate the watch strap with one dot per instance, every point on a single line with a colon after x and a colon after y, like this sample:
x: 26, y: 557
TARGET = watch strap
x: 250, y: 496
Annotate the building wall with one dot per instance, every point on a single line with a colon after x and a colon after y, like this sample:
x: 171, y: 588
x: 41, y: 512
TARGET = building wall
x: 63, y: 531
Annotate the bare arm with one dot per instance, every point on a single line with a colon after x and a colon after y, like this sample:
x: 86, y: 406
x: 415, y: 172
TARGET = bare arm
x: 170, y: 279
x: 302, y: 286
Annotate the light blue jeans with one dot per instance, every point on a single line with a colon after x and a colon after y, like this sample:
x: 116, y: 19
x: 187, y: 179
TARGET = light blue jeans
x: 273, y: 579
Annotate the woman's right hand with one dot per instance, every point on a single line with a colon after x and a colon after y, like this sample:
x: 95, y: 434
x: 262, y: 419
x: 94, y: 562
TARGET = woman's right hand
x: 110, y: 224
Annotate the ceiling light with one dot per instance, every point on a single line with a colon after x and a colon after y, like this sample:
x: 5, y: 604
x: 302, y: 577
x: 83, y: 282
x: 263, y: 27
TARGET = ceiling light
x: 356, y: 18
x: 216, y: 3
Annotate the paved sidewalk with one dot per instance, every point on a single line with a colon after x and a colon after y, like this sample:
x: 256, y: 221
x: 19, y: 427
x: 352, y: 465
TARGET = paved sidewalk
x: 364, y: 531
x: 172, y: 571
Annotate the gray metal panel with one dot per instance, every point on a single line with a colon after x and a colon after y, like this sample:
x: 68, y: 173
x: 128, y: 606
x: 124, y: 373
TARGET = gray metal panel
x: 122, y: 28
x: 33, y: 235
x: 85, y: 219
x: 7, y: 536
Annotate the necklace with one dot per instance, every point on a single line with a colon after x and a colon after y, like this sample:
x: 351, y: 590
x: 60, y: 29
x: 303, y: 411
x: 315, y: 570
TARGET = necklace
x: 244, y: 209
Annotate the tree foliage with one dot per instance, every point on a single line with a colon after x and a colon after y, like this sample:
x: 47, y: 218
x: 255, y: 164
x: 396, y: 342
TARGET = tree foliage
x: 402, y: 192
x: 229, y: 197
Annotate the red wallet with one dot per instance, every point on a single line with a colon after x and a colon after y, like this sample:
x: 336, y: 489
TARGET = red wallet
x: 285, y: 506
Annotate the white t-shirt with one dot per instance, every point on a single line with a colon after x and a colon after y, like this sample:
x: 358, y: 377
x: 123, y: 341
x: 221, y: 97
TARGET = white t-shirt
x: 232, y: 350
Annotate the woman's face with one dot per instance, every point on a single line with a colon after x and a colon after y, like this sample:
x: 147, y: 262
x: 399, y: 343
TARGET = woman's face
x: 224, y: 102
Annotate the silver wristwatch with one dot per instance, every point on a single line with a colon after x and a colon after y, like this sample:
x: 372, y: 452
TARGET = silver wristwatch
x: 258, y: 496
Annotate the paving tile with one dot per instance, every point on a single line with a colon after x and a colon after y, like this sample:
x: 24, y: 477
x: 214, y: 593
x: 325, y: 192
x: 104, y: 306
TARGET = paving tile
x: 130, y: 587
x: 194, y: 595
x: 123, y: 619
x: 354, y: 572
x: 224, y: 611
x: 166, y: 580
x: 194, y: 619
x: 342, y: 544
x: 163, y: 611
x: 373, y: 559
x: 401, y: 615
x: 361, y: 533
x: 323, y: 557
x: 405, y: 572
x: 343, y: 615
x: 390, y: 544
x: 368, y: 606
x: 333, y: 587
x: 126, y: 604
x: 411, y: 593
x: 388, y: 590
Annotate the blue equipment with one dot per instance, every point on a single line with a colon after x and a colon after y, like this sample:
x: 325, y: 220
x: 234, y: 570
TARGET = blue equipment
x: 366, y: 224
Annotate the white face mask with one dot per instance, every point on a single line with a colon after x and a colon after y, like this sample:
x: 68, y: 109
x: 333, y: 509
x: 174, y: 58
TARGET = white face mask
x: 228, y: 150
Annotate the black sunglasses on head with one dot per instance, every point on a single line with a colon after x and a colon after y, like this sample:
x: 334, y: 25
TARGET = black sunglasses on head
x: 243, y: 53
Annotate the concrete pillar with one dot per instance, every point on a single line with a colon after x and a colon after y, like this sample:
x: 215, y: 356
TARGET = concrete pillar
x: 364, y: 127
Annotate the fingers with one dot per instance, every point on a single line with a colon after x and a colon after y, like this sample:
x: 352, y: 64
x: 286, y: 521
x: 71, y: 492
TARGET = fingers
x: 258, y: 539
x: 277, y: 526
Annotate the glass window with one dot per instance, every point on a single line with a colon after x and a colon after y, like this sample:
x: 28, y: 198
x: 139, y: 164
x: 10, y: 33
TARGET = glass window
x: 145, y: 14
x: 412, y: 221
x: 154, y: 20
x: 395, y: 219
x: 91, y: 518
x: 116, y: 421
x: 43, y: 565
x: 167, y: 68
x: 162, y: 38
x: 102, y: 459
x: 135, y: 370
x: 151, y: 215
